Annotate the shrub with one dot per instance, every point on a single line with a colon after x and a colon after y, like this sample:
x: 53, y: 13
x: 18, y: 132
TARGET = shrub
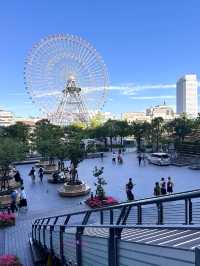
x: 6, y: 219
x: 9, y: 260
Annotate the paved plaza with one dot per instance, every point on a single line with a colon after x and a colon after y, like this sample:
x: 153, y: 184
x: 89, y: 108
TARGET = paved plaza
x: 43, y: 199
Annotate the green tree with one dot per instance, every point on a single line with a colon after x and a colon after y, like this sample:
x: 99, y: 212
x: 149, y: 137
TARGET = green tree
x: 157, y: 130
x: 47, y: 140
x: 110, y: 130
x: 75, y: 154
x: 122, y: 129
x: 19, y: 131
x: 97, y: 120
x: 10, y: 151
x: 138, y: 130
x: 181, y: 127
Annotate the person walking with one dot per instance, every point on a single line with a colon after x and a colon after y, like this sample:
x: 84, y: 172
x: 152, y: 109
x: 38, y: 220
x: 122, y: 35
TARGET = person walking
x: 157, y: 190
x: 41, y: 174
x: 23, y: 199
x: 144, y: 159
x: 114, y: 157
x: 139, y: 159
x: 163, y: 186
x: 32, y: 174
x: 170, y: 185
x: 13, y: 205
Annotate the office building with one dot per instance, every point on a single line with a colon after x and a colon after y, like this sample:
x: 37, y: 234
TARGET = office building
x: 187, y: 95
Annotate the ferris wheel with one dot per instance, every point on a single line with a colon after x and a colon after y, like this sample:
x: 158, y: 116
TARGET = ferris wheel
x: 66, y: 78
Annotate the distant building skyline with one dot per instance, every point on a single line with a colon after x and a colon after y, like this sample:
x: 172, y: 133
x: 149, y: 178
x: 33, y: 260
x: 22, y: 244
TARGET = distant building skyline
x: 187, y: 95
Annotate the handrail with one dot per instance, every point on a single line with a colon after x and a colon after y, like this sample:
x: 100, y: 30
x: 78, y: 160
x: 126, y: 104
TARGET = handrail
x: 145, y: 201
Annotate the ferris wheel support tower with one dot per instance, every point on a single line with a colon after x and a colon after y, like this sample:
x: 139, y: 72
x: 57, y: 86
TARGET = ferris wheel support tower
x: 72, y: 105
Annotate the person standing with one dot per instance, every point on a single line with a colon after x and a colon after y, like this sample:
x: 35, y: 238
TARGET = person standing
x: 170, y: 185
x: 41, y: 174
x: 17, y: 176
x: 129, y: 188
x: 13, y: 205
x: 157, y: 191
x: 163, y: 186
x: 32, y: 174
x: 23, y: 199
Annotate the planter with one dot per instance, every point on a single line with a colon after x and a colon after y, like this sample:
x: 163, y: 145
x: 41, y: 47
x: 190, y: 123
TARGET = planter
x: 73, y: 190
x: 9, y: 260
x: 6, y: 219
x: 50, y: 169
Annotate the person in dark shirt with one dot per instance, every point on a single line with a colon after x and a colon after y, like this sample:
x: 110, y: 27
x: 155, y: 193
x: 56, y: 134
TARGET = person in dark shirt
x: 170, y: 185
x: 157, y: 191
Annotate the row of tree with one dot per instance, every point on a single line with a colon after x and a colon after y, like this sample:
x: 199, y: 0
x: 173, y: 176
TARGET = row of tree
x: 52, y: 141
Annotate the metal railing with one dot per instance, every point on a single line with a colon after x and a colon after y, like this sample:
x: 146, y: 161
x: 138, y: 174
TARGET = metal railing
x: 72, y: 244
x: 180, y: 209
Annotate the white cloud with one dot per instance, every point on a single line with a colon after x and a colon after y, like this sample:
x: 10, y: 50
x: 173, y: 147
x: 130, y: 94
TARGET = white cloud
x: 153, y: 97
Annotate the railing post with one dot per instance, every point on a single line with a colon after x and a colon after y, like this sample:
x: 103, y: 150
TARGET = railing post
x: 186, y: 211
x: 197, y: 257
x: 111, y: 216
x: 160, y: 212
x: 44, y: 238
x: 190, y: 211
x: 101, y: 217
x: 79, y: 232
x: 51, y: 238
x: 62, y: 230
x: 112, y: 247
x: 139, y: 214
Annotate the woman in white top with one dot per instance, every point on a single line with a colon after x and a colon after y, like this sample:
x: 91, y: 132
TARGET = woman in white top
x: 23, y: 200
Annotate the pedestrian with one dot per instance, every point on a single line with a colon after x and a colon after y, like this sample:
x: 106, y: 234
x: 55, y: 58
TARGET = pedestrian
x: 59, y: 165
x: 13, y: 205
x: 17, y: 176
x: 23, y: 199
x: 114, y: 157
x: 139, y: 159
x: 170, y: 185
x: 129, y: 188
x: 163, y: 186
x: 41, y: 174
x: 101, y: 155
x: 144, y: 159
x: 62, y: 165
x: 130, y: 184
x: 157, y: 191
x: 129, y: 193
x: 119, y: 159
x: 32, y: 174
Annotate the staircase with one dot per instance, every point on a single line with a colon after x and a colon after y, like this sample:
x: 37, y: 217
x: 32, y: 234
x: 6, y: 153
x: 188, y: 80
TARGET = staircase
x: 153, y: 231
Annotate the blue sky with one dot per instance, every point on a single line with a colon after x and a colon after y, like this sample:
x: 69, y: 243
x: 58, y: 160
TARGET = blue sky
x: 146, y: 45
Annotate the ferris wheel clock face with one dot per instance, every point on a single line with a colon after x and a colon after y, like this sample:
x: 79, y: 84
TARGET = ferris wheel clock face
x: 66, y: 78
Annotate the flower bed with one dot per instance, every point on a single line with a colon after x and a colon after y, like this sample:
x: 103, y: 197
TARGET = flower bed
x: 6, y: 219
x: 9, y: 260
x: 97, y: 203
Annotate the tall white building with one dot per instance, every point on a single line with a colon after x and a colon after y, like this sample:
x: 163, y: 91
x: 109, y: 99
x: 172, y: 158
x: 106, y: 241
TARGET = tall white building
x: 187, y: 95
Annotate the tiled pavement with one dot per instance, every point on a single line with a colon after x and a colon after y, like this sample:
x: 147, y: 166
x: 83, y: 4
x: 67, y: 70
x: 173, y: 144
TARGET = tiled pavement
x: 44, y: 200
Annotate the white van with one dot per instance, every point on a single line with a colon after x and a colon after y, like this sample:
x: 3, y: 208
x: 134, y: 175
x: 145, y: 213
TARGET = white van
x: 159, y: 158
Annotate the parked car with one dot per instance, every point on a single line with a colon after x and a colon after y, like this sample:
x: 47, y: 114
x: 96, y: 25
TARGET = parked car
x: 159, y: 158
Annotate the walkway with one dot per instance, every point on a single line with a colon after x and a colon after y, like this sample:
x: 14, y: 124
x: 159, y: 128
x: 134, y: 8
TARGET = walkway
x: 44, y: 200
